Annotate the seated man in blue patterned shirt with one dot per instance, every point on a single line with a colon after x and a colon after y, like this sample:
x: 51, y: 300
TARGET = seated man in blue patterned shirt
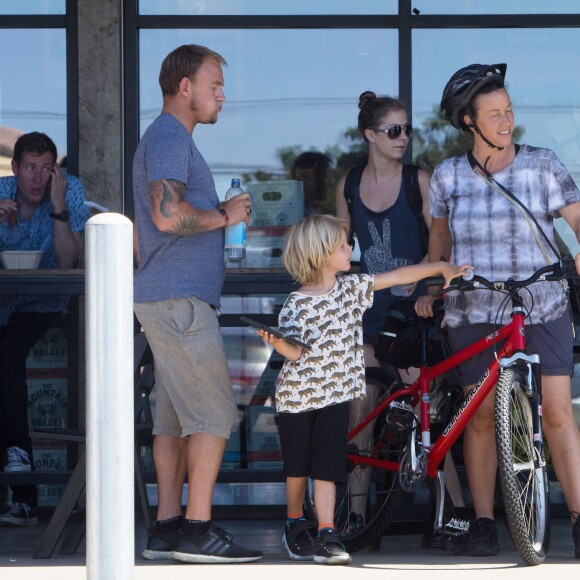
x: 40, y: 209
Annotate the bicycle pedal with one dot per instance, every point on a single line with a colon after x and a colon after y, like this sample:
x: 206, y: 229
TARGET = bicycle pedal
x: 452, y: 537
x: 400, y: 416
x: 455, y: 526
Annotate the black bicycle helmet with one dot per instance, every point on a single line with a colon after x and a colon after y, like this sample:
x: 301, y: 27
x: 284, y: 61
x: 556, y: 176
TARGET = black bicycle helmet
x: 464, y: 84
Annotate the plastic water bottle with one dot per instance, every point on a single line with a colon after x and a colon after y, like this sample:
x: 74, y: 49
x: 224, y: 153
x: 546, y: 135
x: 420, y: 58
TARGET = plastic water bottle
x: 235, y: 246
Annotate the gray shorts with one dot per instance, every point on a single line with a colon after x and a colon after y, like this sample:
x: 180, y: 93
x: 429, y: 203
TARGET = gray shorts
x: 192, y: 382
x: 553, y: 341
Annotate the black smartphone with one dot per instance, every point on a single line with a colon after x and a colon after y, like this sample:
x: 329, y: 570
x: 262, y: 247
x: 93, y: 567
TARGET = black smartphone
x: 274, y: 332
x: 48, y: 185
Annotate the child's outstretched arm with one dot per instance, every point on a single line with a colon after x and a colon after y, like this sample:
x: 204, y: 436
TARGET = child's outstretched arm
x: 290, y: 351
x: 409, y: 274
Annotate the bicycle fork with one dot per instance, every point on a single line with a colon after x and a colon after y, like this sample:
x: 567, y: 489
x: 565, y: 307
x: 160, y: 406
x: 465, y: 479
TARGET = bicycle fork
x: 528, y: 367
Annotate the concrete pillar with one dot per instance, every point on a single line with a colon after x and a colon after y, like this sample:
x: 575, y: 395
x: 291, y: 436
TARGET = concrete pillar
x: 100, y: 154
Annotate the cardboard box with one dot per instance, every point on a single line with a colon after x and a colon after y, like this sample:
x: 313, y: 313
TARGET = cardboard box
x: 49, y: 495
x: 264, y: 247
x: 47, y: 398
x: 50, y: 351
x: 47, y: 380
x: 276, y: 203
x: 263, y: 439
x: 49, y: 456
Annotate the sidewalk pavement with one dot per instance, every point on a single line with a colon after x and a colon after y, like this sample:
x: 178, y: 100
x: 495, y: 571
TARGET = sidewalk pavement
x: 400, y: 556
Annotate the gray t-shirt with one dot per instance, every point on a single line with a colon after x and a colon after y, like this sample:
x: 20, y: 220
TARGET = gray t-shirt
x: 175, y: 266
x: 492, y: 235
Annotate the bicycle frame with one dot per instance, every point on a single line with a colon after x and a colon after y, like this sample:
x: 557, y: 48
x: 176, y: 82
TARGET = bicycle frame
x: 514, y: 337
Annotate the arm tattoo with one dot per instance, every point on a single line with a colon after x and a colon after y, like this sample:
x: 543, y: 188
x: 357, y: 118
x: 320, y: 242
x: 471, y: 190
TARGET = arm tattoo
x: 166, y: 193
x: 189, y: 226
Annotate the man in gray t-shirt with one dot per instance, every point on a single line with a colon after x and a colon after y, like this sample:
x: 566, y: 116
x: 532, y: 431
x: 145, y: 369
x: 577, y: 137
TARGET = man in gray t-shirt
x: 179, y: 244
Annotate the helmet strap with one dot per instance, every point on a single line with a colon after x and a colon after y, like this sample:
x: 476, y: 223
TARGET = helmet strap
x: 487, y: 141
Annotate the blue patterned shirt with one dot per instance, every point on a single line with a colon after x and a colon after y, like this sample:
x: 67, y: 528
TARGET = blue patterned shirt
x: 38, y: 234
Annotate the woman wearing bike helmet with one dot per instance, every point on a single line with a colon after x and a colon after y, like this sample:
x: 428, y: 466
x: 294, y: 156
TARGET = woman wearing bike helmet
x: 473, y: 222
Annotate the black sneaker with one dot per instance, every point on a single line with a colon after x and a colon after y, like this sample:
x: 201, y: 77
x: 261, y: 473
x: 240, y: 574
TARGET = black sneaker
x: 160, y: 546
x: 329, y: 549
x: 298, y: 541
x: 576, y: 537
x: 482, y: 538
x: 20, y: 514
x: 213, y: 547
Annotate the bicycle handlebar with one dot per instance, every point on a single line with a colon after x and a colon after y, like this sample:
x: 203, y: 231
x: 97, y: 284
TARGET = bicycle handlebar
x: 470, y: 280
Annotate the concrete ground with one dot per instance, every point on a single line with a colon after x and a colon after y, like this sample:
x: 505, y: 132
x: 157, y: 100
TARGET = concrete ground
x: 400, y: 556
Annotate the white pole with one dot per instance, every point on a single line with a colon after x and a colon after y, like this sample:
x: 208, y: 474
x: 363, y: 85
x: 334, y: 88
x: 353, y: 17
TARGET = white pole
x: 110, y: 431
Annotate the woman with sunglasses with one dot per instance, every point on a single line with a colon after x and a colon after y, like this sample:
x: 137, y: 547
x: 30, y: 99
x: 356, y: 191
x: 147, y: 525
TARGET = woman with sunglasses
x: 373, y: 200
x: 476, y: 215
x: 380, y: 216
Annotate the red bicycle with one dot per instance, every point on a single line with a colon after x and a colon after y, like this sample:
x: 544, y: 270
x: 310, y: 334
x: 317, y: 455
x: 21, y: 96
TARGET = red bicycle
x: 398, y: 453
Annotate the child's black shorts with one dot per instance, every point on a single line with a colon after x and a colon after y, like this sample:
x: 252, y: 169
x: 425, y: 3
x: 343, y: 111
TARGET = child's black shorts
x: 314, y: 442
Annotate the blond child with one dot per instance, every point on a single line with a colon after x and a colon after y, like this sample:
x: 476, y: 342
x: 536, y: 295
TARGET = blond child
x: 316, y: 386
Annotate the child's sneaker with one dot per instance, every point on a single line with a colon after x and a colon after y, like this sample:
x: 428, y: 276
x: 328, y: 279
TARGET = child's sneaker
x: 329, y: 549
x: 297, y: 539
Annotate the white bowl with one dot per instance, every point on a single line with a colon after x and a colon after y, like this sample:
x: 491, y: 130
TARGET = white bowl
x: 21, y: 259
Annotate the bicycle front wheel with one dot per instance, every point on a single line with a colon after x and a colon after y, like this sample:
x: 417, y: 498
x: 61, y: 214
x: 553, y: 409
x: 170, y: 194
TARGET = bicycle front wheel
x: 522, y: 471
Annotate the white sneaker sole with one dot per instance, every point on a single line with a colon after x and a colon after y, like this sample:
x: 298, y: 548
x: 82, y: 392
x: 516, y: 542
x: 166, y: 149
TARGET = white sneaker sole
x: 17, y: 468
x: 209, y: 559
x: 156, y: 555
x: 333, y: 560
x: 292, y: 555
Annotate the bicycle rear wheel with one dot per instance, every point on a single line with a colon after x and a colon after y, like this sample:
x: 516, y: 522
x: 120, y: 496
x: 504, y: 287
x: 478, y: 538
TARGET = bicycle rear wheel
x: 367, y: 503
x: 522, y: 472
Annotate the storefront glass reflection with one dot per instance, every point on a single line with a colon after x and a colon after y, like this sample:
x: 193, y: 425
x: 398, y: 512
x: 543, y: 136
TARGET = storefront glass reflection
x: 263, y: 7
x: 32, y: 7
x: 32, y: 88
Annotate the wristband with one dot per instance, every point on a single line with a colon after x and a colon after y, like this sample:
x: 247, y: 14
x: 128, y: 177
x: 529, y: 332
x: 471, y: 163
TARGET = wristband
x: 226, y: 217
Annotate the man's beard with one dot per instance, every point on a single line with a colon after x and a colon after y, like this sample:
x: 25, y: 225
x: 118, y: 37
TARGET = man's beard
x: 193, y: 108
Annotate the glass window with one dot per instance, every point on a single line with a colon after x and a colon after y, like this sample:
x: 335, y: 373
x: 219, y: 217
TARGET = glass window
x: 485, y: 7
x: 287, y: 91
x: 543, y: 79
x: 545, y: 104
x: 32, y: 90
x: 33, y: 7
x: 266, y: 7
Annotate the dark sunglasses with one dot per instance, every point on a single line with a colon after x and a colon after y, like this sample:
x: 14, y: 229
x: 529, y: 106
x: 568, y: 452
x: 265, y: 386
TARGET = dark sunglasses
x: 394, y: 131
